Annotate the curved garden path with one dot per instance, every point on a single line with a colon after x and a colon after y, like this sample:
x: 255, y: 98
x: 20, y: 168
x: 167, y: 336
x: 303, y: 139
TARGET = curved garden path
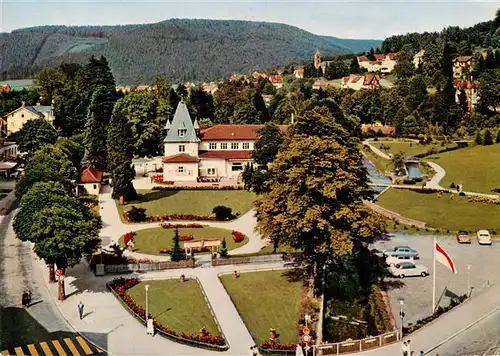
x: 113, y: 227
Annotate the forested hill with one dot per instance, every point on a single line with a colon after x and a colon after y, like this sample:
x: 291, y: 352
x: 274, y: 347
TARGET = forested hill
x: 178, y: 49
x: 354, y: 46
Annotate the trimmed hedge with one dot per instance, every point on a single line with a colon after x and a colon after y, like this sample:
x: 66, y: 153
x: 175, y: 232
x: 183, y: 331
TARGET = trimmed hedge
x: 378, y: 310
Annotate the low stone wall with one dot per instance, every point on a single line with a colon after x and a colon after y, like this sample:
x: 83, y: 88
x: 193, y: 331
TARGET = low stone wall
x: 7, y: 203
x: 247, y: 259
x: 395, y: 216
x: 352, y: 346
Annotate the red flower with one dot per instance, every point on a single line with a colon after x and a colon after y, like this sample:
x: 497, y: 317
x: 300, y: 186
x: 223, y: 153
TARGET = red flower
x: 186, y: 238
x: 238, y: 236
x: 127, y: 237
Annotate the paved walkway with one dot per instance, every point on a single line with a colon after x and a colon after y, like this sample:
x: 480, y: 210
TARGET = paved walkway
x: 111, y: 327
x: 113, y: 227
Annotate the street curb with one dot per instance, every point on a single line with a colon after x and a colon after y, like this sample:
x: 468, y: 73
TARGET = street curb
x: 462, y: 330
x: 34, y: 261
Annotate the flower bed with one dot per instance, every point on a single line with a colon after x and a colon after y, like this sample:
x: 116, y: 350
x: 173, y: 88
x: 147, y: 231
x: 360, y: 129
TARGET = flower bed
x: 120, y: 287
x: 266, y: 345
x: 439, y: 311
x: 483, y: 199
x: 186, y: 238
x: 237, y: 236
x: 179, y: 226
x: 127, y: 237
x: 153, y: 218
x: 158, y: 178
x: 208, y: 187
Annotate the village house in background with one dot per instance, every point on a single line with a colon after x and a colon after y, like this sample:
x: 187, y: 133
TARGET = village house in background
x: 418, y: 58
x: 320, y: 84
x: 276, y: 81
x: 462, y: 66
x: 378, y: 126
x: 17, y: 118
x: 217, y: 153
x: 471, y: 92
x: 357, y: 82
x: 5, y: 88
x: 298, y: 73
x: 89, y: 182
x: 382, y: 63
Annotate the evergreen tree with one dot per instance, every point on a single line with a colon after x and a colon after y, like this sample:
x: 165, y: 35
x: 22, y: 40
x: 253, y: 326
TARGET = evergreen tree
x: 488, y: 139
x: 98, y: 117
x: 354, y: 66
x: 497, y: 140
x: 371, y: 54
x: 177, y: 252
x: 478, y: 139
x: 223, y: 248
x: 120, y: 153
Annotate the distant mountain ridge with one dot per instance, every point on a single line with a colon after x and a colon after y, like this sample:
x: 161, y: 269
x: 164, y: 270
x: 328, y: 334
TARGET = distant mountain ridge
x: 180, y: 49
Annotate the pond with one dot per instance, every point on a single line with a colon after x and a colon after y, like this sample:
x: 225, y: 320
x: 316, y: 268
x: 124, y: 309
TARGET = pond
x: 376, y: 179
x: 413, y: 170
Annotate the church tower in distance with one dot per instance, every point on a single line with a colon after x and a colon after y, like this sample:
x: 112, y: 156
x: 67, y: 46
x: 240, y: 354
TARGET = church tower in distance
x: 317, y: 59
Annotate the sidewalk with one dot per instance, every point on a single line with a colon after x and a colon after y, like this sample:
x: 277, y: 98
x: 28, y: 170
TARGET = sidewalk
x: 112, y: 328
x: 449, y: 325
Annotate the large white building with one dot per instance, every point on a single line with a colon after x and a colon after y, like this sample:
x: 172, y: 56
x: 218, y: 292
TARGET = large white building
x: 382, y: 63
x: 219, y: 152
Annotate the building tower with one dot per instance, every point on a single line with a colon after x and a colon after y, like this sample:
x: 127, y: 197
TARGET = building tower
x: 317, y: 59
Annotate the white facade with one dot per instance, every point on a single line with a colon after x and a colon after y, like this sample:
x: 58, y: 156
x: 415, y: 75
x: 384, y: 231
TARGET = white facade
x: 174, y: 148
x: 17, y: 118
x: 225, y: 145
x: 89, y: 188
x: 182, y: 171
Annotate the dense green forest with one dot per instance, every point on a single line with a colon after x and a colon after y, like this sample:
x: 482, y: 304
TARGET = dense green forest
x: 195, y: 50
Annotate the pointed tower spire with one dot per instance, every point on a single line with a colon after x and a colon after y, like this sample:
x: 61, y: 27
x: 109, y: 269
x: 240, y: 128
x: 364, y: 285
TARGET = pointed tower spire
x: 196, y: 126
x: 168, y: 125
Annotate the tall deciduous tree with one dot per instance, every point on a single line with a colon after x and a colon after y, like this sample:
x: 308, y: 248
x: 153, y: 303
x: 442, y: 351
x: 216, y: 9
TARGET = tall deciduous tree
x: 98, y: 117
x: 120, y: 154
x: 48, y: 164
x: 314, y: 200
x: 34, y: 134
x: 267, y: 146
x: 63, y: 234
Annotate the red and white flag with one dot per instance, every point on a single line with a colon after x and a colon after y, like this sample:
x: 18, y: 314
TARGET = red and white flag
x: 445, y: 259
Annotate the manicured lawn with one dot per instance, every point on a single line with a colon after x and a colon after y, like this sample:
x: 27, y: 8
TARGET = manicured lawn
x: 409, y: 148
x: 476, y: 168
x: 198, y: 202
x: 151, y: 241
x: 178, y: 306
x: 443, y: 212
x: 267, y: 300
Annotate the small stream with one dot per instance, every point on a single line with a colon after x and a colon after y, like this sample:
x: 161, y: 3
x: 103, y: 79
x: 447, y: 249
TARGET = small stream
x: 378, y: 182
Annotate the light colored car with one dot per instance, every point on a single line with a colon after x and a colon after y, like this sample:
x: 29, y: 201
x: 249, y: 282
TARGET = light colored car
x: 463, y: 237
x: 401, y: 251
x: 394, y: 260
x: 408, y: 269
x: 484, y: 237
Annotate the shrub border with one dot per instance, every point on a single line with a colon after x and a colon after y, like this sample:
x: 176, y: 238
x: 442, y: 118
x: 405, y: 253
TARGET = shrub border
x: 176, y: 338
x: 218, y: 187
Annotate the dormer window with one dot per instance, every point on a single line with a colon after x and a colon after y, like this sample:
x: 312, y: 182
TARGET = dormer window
x: 182, y: 132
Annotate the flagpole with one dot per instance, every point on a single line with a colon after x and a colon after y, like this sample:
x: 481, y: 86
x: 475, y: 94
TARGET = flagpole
x: 434, y: 276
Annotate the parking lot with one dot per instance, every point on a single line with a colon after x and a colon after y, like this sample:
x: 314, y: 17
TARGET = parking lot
x: 417, y: 291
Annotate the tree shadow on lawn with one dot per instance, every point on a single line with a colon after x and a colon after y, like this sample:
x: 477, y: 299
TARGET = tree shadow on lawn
x: 294, y: 275
x: 153, y: 195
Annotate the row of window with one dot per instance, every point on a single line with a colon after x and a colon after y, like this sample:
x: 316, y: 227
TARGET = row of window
x: 237, y: 166
x: 234, y: 146
x: 223, y: 146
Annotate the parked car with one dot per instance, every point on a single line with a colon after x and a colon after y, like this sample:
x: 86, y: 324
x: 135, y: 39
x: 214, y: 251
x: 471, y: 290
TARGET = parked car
x: 401, y: 251
x: 394, y: 260
x: 408, y: 269
x: 484, y: 237
x: 463, y: 237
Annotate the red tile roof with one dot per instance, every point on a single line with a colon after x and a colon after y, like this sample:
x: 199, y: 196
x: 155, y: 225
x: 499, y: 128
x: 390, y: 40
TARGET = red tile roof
x: 180, y: 158
x: 376, y: 62
x: 227, y: 154
x: 386, y: 130
x: 234, y: 132
x: 392, y: 55
x: 379, y: 56
x: 363, y: 59
x: 90, y: 175
x: 463, y: 59
x: 275, y: 78
x: 371, y: 79
x: 466, y: 84
x: 5, y: 87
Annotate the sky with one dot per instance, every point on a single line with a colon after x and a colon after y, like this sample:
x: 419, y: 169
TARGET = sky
x: 347, y: 19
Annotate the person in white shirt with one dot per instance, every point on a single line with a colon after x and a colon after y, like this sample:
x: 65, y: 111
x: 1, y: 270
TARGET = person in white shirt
x: 404, y: 349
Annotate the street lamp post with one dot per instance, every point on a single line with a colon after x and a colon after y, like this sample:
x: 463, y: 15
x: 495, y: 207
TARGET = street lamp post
x: 147, y: 304
x: 468, y: 279
x: 401, y: 314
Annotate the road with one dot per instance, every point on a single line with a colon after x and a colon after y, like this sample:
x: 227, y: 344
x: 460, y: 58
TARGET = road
x: 483, y: 339
x: 42, y: 321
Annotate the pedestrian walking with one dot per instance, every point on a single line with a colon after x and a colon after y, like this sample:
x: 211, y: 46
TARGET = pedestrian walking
x: 80, y: 309
x: 404, y: 349
x: 421, y: 353
x: 408, y: 345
